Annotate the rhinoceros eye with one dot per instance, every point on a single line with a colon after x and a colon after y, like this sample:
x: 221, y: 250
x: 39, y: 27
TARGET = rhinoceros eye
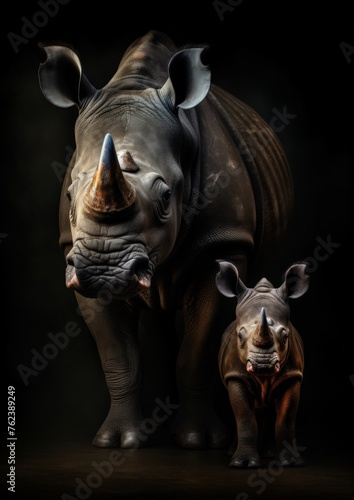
x: 162, y: 195
x: 166, y: 198
x: 71, y: 191
x: 242, y: 335
x: 284, y: 335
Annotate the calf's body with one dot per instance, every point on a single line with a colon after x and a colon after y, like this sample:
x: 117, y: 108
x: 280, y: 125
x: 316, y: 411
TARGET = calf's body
x: 261, y: 362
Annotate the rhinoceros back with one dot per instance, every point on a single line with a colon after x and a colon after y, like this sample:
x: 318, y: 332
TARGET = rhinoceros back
x: 241, y: 184
x: 266, y: 165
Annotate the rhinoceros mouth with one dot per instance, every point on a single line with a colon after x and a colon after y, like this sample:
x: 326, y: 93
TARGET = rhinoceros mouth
x: 266, y: 364
x: 122, y: 282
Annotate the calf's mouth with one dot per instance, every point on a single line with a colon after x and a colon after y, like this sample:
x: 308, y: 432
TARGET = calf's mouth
x: 266, y: 364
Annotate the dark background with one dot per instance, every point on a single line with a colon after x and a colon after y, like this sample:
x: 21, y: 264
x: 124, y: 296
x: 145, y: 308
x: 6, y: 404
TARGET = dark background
x: 271, y: 57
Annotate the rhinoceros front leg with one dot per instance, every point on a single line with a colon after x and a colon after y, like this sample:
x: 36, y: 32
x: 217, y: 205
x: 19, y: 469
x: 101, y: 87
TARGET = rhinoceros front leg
x: 286, y: 404
x: 205, y: 316
x: 243, y: 406
x: 114, y: 327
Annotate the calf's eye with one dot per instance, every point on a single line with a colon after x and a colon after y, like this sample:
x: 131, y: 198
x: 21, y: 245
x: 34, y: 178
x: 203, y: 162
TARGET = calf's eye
x: 241, y: 333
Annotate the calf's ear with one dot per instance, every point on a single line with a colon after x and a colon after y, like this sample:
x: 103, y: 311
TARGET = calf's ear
x: 189, y: 79
x: 61, y: 78
x: 296, y: 282
x: 228, y: 281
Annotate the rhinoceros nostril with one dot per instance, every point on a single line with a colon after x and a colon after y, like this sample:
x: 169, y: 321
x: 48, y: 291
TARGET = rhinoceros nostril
x: 142, y: 270
x: 249, y: 367
x: 71, y: 277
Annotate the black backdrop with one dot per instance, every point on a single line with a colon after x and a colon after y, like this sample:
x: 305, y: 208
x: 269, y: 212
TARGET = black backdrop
x: 278, y: 60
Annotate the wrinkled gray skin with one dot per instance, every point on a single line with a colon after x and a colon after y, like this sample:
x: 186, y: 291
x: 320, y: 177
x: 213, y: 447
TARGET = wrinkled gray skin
x: 261, y: 362
x: 170, y: 173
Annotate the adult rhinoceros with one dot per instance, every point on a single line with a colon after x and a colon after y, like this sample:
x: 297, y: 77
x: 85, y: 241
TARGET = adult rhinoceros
x: 170, y: 174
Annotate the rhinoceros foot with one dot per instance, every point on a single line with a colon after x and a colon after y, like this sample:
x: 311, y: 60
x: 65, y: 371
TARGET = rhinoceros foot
x: 292, y: 461
x: 120, y: 433
x: 190, y: 440
x: 245, y: 462
x: 107, y: 439
x: 211, y: 435
x: 201, y: 440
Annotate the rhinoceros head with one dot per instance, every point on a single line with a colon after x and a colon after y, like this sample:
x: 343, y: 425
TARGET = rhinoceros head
x: 134, y: 146
x: 263, y: 327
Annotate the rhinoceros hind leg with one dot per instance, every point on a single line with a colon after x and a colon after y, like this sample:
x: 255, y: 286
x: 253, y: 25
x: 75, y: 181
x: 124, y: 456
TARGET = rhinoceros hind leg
x: 206, y: 313
x: 218, y: 438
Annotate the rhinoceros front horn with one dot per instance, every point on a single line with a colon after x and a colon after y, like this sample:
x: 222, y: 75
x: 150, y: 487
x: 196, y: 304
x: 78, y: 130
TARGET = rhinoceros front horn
x: 262, y: 336
x: 109, y: 193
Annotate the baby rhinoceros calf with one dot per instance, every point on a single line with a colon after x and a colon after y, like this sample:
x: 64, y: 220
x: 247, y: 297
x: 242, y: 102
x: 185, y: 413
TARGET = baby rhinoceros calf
x: 261, y: 363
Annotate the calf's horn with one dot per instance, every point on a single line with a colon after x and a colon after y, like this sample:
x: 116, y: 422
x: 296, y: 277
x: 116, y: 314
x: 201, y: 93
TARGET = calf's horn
x: 109, y: 192
x: 262, y: 336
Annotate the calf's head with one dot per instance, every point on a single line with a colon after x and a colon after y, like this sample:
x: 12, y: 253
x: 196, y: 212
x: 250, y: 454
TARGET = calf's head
x: 262, y: 324
x: 134, y: 146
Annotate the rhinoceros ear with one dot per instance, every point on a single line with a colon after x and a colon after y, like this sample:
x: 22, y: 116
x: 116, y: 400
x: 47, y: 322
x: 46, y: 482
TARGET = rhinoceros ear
x: 61, y: 79
x: 228, y: 281
x: 296, y: 282
x: 189, y: 79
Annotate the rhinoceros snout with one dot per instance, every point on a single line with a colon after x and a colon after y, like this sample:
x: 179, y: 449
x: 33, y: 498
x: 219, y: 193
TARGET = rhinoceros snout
x: 124, y: 278
x: 263, y: 363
